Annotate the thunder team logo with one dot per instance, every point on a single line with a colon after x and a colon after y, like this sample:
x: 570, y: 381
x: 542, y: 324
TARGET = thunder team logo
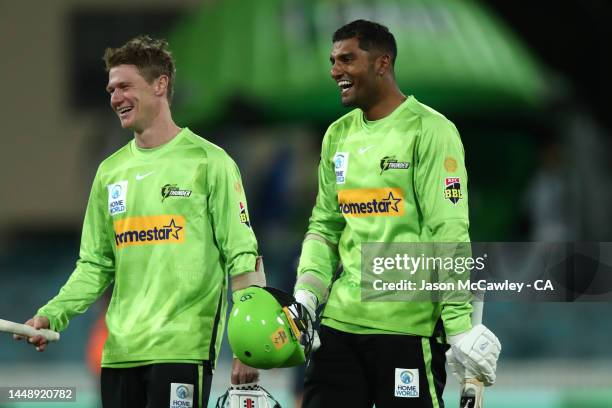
x: 159, y: 229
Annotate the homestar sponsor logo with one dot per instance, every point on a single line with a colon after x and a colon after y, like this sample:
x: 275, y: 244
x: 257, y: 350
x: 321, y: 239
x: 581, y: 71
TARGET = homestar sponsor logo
x: 158, y: 229
x: 371, y: 202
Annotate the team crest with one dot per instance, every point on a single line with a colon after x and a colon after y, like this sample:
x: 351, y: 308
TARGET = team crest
x: 171, y: 190
x: 452, y: 189
x: 390, y: 163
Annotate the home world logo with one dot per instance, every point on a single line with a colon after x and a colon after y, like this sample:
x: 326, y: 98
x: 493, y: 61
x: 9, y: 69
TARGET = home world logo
x: 406, y: 382
x: 181, y: 395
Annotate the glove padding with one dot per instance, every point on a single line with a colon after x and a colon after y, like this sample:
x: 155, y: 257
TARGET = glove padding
x: 309, y: 301
x: 474, y: 354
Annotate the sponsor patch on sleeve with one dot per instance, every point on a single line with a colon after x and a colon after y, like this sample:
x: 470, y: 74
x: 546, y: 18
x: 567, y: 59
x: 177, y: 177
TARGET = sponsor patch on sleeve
x: 341, y: 160
x: 450, y: 164
x: 117, y: 193
x: 452, y: 189
x: 244, y: 215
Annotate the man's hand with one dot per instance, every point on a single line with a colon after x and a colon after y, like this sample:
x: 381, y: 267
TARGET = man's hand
x: 37, y: 322
x: 474, y: 354
x: 309, y: 301
x: 243, y: 374
x: 456, y: 367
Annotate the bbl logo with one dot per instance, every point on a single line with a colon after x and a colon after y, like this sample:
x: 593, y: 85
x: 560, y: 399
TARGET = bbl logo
x: 244, y: 216
x: 390, y: 163
x: 452, y: 189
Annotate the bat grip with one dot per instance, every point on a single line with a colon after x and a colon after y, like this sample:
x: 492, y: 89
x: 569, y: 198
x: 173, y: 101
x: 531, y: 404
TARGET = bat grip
x: 471, y: 394
x: 50, y: 335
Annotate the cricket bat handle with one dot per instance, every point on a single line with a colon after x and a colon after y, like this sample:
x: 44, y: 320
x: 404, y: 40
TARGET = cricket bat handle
x: 27, y: 331
x: 472, y: 390
x: 471, y: 394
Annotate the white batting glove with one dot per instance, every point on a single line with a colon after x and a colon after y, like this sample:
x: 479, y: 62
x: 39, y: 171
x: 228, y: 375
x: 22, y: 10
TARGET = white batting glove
x: 455, y: 366
x: 308, y: 299
x: 474, y: 354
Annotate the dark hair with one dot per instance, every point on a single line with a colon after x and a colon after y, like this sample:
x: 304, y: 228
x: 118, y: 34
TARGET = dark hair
x: 152, y: 58
x: 371, y: 35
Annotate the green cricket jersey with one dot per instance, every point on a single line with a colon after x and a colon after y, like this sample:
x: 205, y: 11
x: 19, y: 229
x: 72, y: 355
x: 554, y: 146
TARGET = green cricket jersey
x: 398, y: 179
x: 167, y: 225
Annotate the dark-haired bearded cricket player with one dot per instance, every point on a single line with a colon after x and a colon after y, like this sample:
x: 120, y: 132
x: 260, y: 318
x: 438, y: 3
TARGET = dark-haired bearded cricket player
x: 392, y: 170
x: 167, y: 222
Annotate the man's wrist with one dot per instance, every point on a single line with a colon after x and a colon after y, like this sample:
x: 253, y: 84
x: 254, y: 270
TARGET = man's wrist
x: 255, y: 277
x: 455, y: 339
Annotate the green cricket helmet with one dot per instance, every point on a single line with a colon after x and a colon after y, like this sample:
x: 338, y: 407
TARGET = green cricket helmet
x: 265, y: 328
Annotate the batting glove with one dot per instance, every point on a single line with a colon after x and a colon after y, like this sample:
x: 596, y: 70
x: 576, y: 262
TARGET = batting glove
x: 309, y: 301
x: 474, y: 354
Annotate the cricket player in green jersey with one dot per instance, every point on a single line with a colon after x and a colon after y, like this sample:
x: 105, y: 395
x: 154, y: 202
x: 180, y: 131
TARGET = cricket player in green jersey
x: 166, y: 222
x: 391, y: 171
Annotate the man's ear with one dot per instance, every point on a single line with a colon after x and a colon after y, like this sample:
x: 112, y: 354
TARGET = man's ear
x: 161, y: 85
x: 383, y: 64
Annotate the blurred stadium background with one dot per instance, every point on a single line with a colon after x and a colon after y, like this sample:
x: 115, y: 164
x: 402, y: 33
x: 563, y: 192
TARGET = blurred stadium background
x: 526, y: 83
